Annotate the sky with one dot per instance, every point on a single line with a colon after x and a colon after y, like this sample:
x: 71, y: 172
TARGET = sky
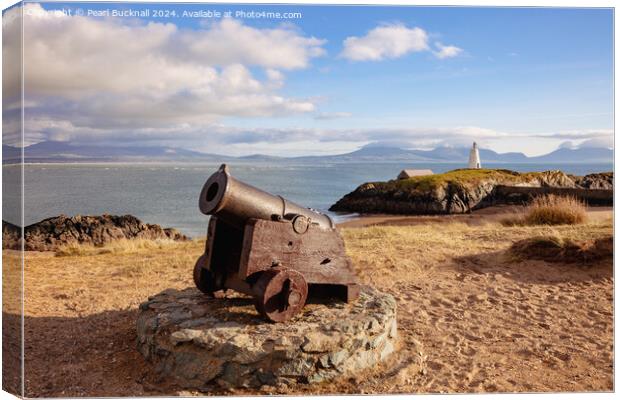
x: 324, y: 80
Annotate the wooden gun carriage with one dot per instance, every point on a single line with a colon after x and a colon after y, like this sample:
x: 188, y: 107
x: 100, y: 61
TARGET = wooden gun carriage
x: 270, y: 248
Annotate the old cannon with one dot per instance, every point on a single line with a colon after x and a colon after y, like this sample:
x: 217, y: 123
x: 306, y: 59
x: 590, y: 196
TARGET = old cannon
x: 270, y: 248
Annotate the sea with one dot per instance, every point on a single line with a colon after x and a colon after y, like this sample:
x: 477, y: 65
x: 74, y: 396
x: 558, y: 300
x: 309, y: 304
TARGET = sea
x: 167, y: 194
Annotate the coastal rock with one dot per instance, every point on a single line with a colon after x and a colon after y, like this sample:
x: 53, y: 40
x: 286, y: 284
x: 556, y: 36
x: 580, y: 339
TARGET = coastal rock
x: 457, y: 192
x: 555, y: 178
x: 233, y: 347
x: 603, y: 180
x: 51, y: 233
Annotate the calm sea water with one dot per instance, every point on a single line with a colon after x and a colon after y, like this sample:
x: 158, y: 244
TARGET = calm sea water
x: 167, y: 194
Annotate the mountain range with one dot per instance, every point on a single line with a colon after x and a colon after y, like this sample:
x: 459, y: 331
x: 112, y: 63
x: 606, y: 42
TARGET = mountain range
x: 52, y: 152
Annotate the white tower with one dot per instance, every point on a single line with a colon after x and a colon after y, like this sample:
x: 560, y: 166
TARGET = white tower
x: 474, y: 157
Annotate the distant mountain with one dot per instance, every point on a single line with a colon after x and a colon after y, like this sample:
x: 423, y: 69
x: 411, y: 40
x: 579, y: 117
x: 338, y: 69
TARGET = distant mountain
x: 584, y: 155
x: 372, y: 153
x: 383, y: 152
x: 10, y: 154
x: 260, y: 157
x: 52, y: 151
x: 461, y: 154
x: 63, y: 152
x: 450, y: 154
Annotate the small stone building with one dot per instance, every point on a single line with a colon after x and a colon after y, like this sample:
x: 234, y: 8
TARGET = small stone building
x: 410, y: 173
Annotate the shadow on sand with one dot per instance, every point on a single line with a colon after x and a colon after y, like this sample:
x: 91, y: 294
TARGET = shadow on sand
x: 93, y: 356
x: 532, y: 271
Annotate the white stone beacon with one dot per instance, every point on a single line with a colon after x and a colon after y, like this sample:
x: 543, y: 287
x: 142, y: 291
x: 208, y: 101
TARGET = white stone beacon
x: 474, y: 157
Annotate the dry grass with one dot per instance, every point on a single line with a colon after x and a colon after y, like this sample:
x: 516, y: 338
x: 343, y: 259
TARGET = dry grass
x: 122, y: 246
x: 555, y: 210
x: 551, y: 210
x: 389, y: 253
x: 384, y: 255
x: 119, y: 275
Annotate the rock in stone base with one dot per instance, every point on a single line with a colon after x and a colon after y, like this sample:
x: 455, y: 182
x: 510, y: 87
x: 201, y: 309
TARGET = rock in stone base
x: 200, y: 342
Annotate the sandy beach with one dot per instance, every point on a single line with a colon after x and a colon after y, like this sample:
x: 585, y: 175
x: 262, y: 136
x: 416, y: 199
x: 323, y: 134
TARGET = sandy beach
x: 472, y: 316
x: 483, y: 216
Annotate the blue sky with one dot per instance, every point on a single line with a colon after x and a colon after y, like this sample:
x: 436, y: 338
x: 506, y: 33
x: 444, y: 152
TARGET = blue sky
x: 340, y: 77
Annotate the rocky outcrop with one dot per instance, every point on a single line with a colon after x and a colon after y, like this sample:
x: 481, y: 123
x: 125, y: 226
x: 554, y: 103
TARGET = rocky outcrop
x: 554, y: 178
x: 603, y: 180
x: 456, y: 192
x: 203, y: 343
x: 52, y: 233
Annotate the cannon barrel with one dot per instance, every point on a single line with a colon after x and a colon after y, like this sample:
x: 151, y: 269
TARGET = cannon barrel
x: 235, y: 202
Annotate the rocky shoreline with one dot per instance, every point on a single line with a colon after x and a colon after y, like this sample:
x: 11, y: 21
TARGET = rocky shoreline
x: 52, y: 233
x: 465, y: 190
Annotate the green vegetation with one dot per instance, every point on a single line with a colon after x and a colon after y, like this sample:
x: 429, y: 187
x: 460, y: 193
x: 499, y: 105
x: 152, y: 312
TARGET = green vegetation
x: 459, y: 177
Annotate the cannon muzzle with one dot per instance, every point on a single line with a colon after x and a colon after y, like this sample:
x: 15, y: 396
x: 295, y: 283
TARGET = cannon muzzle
x: 236, y: 202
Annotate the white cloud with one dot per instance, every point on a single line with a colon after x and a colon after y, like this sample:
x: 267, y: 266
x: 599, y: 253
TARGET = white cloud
x: 446, y: 51
x: 388, y: 41
x: 222, y: 136
x: 274, y: 74
x: 332, y: 115
x: 413, y: 136
x: 599, y: 142
x: 126, y: 74
x: 393, y: 41
x: 229, y: 41
x: 456, y: 136
x: 567, y: 145
x: 577, y: 135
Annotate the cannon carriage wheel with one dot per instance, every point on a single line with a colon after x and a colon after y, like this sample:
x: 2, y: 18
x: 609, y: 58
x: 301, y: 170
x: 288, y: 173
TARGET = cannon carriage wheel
x: 280, y: 293
x: 203, y: 279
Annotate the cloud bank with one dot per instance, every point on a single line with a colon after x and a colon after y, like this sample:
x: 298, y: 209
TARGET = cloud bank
x: 236, y: 140
x: 332, y: 115
x: 606, y: 141
x: 105, y: 74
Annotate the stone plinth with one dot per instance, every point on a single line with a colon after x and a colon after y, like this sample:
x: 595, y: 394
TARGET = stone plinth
x: 200, y: 342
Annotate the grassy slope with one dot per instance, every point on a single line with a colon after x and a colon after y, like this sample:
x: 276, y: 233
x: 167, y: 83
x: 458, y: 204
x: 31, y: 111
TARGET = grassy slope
x: 459, y: 177
x: 81, y: 307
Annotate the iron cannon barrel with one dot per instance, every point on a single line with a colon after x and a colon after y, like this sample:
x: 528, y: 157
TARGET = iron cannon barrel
x: 235, y: 202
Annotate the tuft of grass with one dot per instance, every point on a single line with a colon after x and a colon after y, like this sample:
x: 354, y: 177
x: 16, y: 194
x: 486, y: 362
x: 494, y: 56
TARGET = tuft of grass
x: 555, y: 248
x: 73, y: 250
x: 547, y: 247
x: 551, y: 210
